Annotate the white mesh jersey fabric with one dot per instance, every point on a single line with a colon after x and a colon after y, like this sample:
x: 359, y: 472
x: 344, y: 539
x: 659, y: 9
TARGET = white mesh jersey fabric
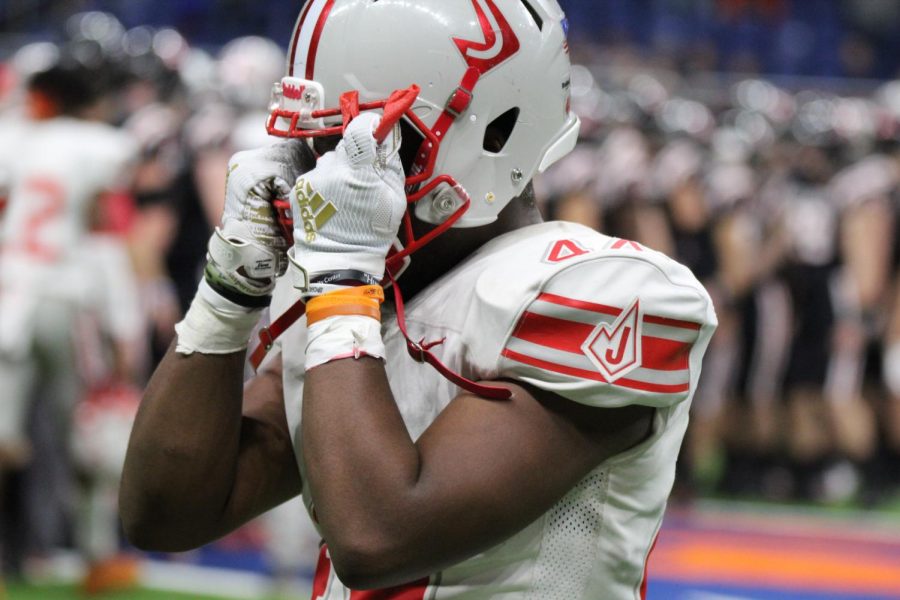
x: 593, y: 543
x: 570, y: 552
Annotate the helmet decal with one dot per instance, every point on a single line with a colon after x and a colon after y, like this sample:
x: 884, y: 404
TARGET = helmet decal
x: 486, y: 55
x: 292, y: 57
x: 308, y: 34
x: 294, y: 92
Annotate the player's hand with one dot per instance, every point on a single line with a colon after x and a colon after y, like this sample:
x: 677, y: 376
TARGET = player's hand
x: 248, y: 252
x: 348, y: 209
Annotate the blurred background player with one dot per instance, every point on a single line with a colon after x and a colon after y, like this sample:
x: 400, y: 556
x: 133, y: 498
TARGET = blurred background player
x: 187, y: 111
x: 62, y: 168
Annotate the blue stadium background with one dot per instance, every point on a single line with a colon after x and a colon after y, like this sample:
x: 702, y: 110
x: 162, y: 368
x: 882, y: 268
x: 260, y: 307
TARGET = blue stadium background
x: 778, y: 37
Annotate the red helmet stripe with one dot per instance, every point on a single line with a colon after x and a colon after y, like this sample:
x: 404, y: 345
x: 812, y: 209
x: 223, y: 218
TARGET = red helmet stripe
x: 297, y: 36
x: 317, y: 36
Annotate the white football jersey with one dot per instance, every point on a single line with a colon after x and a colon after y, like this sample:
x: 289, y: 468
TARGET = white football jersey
x: 57, y: 169
x: 600, y: 321
x: 11, y: 133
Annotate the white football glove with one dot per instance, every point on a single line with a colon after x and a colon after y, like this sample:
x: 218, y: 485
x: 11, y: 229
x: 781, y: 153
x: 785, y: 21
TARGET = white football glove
x: 348, y: 209
x: 247, y: 253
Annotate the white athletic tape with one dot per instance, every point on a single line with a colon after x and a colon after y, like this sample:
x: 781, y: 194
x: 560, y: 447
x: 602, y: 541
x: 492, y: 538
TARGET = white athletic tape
x: 348, y: 336
x: 214, y: 325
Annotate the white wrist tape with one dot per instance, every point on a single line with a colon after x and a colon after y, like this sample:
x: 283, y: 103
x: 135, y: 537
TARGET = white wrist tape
x: 348, y: 336
x: 214, y: 325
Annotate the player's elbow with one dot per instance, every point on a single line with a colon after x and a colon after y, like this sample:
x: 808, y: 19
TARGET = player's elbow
x: 135, y: 515
x: 146, y: 530
x: 151, y: 523
x: 363, y: 564
x: 361, y: 571
x: 139, y: 529
x: 145, y: 536
x: 161, y: 537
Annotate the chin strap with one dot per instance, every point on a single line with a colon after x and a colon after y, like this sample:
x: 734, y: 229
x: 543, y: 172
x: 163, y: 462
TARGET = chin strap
x: 268, y: 335
x: 420, y: 351
x: 396, y: 106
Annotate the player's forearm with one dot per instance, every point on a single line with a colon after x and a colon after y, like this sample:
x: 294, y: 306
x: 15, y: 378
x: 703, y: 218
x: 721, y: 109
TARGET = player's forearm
x: 183, y: 450
x: 362, y: 469
x: 384, y: 516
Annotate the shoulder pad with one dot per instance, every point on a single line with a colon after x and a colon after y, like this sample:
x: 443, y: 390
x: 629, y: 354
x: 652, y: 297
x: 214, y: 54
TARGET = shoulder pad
x: 603, y: 322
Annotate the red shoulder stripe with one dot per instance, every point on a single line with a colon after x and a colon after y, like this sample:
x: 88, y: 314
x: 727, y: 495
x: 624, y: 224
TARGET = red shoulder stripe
x: 573, y: 303
x: 613, y: 311
x: 665, y: 355
x: 642, y: 386
x: 553, y: 333
x: 568, y: 336
x: 672, y: 322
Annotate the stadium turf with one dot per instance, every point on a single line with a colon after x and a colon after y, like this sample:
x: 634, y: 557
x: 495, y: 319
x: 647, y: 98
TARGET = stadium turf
x: 68, y: 592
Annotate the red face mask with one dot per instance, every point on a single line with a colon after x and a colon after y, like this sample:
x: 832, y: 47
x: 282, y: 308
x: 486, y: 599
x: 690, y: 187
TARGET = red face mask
x: 296, y: 111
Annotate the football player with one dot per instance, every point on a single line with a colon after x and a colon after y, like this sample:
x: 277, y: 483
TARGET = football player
x: 109, y: 332
x: 62, y: 164
x: 536, y: 457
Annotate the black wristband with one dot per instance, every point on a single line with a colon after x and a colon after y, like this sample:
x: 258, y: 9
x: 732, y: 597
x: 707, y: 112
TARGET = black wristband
x: 347, y: 277
x: 239, y: 298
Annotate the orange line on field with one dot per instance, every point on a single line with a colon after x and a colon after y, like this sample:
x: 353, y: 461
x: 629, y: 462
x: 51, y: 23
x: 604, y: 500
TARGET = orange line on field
x: 819, y: 569
x: 813, y: 542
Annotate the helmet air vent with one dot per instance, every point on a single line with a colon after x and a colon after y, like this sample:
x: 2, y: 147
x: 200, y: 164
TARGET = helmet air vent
x: 534, y: 15
x: 500, y: 130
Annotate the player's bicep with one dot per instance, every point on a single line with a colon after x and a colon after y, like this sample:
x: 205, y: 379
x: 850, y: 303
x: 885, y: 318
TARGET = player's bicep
x: 267, y: 473
x: 500, y: 465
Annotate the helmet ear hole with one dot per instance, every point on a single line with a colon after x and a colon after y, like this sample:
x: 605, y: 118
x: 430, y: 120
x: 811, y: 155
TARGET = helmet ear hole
x: 500, y: 130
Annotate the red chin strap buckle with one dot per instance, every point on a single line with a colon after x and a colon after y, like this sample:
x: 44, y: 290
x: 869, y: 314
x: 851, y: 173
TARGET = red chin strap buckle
x: 285, y: 218
x: 397, y: 105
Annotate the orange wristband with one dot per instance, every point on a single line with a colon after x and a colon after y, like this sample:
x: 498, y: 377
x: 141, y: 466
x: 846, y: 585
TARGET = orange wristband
x: 367, y: 291
x: 362, y: 301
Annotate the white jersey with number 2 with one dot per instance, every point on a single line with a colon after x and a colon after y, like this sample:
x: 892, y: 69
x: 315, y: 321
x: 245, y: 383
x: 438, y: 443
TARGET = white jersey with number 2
x: 600, y: 321
x: 56, y: 171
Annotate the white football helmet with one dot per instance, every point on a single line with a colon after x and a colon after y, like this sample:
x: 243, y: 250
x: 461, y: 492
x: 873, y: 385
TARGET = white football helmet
x: 477, y: 64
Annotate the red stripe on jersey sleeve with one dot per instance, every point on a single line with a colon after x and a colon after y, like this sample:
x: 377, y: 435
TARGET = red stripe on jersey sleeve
x: 665, y: 355
x: 615, y: 312
x: 568, y: 336
x: 672, y: 322
x: 550, y: 332
x: 573, y: 303
x: 642, y: 386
